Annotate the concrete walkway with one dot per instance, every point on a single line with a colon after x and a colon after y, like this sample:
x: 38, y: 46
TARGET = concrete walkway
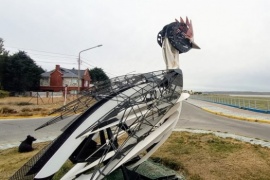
x: 231, y: 112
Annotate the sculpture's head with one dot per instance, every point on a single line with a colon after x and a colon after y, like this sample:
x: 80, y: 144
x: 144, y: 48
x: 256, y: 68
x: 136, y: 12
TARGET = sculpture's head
x: 180, y: 35
x: 187, y: 31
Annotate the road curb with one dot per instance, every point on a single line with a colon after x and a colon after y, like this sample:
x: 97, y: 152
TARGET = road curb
x: 255, y: 141
x: 237, y: 117
x: 11, y: 118
x: 32, y: 117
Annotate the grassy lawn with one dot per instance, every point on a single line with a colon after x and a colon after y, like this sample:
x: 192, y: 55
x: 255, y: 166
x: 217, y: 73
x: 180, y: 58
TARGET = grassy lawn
x: 12, y: 107
x: 205, y: 156
x: 197, y: 156
x: 27, y: 106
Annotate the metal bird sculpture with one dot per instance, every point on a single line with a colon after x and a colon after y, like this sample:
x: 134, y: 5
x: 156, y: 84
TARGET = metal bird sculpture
x: 117, y: 125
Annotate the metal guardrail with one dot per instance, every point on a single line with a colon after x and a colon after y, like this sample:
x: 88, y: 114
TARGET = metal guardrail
x: 257, y: 105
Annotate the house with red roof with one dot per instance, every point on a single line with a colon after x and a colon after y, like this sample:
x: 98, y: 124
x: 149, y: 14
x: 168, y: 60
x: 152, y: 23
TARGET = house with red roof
x: 59, y: 78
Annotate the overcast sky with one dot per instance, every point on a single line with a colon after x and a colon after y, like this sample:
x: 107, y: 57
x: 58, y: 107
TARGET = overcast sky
x: 233, y: 35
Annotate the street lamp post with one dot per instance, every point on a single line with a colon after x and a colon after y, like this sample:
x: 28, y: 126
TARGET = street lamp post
x: 79, y: 64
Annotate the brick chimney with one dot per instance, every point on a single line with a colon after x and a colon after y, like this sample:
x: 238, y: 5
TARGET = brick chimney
x: 57, y: 67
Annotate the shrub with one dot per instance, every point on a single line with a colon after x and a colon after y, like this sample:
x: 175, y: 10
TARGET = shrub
x: 26, y: 110
x: 38, y: 109
x: 3, y: 94
x: 7, y: 110
x: 24, y: 103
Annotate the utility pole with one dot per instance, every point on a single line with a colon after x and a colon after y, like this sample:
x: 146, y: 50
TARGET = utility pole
x: 79, y: 65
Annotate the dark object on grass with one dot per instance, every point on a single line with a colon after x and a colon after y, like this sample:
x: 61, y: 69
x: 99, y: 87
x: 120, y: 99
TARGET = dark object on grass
x: 26, y: 145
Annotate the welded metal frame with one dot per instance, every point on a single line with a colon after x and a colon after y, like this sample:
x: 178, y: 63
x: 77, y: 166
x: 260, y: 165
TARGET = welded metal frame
x: 139, y: 112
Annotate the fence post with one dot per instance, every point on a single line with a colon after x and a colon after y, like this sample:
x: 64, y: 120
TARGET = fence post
x: 239, y: 102
x: 37, y: 98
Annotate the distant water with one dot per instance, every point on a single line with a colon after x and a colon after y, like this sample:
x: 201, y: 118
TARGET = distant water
x: 250, y: 95
x: 241, y: 93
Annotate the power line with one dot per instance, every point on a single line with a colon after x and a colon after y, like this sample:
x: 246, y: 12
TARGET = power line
x: 46, y: 55
x: 54, y: 62
x: 96, y: 66
x: 49, y: 55
x: 42, y: 51
x: 87, y: 63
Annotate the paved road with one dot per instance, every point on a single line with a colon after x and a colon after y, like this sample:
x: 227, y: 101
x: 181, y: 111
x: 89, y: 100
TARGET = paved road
x: 196, y: 118
x: 14, y: 131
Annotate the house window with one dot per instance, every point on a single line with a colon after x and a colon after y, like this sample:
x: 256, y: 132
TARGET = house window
x: 74, y: 82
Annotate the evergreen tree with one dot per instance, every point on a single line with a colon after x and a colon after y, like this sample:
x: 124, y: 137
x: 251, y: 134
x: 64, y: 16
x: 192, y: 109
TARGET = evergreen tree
x: 97, y: 74
x: 21, y: 73
x: 2, y: 49
x: 3, y: 60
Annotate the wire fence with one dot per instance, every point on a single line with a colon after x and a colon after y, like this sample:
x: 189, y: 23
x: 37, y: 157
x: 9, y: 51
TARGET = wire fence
x: 50, y: 97
x: 252, y: 104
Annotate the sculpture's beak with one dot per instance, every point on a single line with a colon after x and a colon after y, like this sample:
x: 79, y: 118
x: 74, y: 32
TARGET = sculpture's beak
x: 194, y: 45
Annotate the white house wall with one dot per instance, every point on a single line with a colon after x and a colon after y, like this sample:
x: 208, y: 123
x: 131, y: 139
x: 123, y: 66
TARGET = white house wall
x: 71, y: 82
x: 45, y: 81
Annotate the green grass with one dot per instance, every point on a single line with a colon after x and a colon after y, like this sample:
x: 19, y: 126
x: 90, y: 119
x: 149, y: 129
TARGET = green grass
x: 65, y: 168
x: 217, y: 145
x: 4, y: 94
